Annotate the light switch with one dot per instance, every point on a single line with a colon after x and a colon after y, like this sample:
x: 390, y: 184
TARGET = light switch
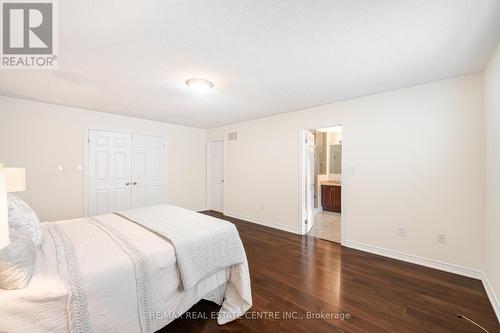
x: 79, y: 168
x: 402, y: 232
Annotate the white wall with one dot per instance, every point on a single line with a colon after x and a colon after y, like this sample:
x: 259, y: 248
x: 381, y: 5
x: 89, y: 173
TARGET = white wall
x: 492, y: 121
x: 414, y: 158
x: 39, y: 136
x: 424, y: 170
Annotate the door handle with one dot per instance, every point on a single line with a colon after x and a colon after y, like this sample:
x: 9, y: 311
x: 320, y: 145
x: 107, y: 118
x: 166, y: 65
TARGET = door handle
x: 127, y: 183
x: 134, y: 183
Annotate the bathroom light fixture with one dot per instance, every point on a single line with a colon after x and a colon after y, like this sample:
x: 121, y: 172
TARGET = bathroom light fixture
x: 199, y: 85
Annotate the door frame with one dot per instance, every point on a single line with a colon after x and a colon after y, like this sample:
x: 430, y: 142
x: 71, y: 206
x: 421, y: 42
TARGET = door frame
x: 207, y: 185
x: 86, y: 153
x: 306, y: 174
x: 302, y: 170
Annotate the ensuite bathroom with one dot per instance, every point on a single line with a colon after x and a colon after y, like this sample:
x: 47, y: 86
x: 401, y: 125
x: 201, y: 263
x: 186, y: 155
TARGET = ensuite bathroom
x: 327, y: 183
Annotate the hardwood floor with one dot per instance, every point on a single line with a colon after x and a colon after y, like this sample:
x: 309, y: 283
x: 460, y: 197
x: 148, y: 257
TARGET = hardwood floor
x: 295, y: 274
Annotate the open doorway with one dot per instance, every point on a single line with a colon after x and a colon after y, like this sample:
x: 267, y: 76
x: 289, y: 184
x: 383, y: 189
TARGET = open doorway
x: 322, y: 183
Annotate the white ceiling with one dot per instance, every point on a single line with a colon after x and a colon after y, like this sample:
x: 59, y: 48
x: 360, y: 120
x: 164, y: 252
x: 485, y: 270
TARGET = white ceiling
x: 265, y: 57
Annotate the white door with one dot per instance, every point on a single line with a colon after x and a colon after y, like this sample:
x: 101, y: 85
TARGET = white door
x: 148, y: 170
x: 309, y: 181
x: 109, y: 172
x: 215, y: 175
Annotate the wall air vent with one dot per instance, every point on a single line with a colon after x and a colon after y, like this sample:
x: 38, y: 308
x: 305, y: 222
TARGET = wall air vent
x: 233, y: 136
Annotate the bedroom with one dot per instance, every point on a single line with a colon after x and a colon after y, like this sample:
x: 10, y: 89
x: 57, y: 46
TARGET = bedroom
x: 415, y: 85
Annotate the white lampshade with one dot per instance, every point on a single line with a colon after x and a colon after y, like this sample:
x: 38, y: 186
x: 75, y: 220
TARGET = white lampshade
x: 15, y: 178
x: 11, y: 180
x: 4, y: 218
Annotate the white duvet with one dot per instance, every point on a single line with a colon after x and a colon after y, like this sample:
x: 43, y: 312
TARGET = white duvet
x: 202, y: 245
x: 88, y: 279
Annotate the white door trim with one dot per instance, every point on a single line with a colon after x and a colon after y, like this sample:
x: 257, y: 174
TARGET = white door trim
x: 345, y: 181
x: 308, y: 168
x: 207, y: 183
x: 86, y: 146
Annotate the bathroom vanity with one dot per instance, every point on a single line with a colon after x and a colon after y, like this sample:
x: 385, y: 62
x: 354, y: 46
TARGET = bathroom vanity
x: 331, y: 196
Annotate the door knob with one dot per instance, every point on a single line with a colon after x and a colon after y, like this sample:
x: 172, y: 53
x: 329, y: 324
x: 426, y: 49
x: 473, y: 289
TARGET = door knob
x: 127, y: 183
x: 134, y: 183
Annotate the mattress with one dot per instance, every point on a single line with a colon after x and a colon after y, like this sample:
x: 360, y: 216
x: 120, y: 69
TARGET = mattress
x: 107, y: 281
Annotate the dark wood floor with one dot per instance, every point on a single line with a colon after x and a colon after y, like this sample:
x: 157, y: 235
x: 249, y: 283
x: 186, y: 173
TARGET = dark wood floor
x: 297, y: 274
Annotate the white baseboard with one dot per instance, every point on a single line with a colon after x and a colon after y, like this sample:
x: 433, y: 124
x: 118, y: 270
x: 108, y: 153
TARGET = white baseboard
x: 262, y: 222
x: 491, y: 295
x: 432, y: 263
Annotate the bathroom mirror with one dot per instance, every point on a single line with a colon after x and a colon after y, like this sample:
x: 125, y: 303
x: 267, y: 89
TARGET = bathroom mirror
x: 335, y: 163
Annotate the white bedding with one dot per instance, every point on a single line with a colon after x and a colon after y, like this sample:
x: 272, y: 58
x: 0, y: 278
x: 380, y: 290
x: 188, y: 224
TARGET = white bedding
x: 108, y: 291
x: 202, y: 246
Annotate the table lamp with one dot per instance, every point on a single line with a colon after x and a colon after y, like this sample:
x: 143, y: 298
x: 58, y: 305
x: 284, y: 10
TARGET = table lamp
x: 11, y: 180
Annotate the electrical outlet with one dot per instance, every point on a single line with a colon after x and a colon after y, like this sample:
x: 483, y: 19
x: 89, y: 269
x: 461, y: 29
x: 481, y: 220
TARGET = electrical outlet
x: 442, y: 238
x: 402, y: 232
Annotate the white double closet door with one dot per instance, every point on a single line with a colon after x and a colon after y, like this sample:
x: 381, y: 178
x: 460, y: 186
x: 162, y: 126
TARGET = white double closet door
x: 124, y: 171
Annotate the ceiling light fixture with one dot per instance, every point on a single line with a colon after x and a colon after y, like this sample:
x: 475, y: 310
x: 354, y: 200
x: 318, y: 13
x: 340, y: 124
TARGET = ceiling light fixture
x: 200, y: 85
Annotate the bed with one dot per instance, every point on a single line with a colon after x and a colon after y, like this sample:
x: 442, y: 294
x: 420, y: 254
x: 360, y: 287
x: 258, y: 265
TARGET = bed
x: 121, y: 273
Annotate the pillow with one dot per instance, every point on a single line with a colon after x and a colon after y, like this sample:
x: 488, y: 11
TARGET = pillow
x: 24, y: 220
x: 16, y: 262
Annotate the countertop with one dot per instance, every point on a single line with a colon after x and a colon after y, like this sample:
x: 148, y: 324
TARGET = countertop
x: 330, y: 183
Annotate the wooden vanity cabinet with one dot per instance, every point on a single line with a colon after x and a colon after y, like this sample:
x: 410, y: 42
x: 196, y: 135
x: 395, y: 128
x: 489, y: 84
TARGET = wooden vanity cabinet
x: 331, y: 198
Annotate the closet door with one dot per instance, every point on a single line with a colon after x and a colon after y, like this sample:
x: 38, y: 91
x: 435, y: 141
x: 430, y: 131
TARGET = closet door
x: 109, y: 172
x: 148, y: 170
x: 215, y: 175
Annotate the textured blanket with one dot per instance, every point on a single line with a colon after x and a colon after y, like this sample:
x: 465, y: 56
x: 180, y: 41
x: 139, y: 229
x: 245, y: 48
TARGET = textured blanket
x: 203, y: 244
